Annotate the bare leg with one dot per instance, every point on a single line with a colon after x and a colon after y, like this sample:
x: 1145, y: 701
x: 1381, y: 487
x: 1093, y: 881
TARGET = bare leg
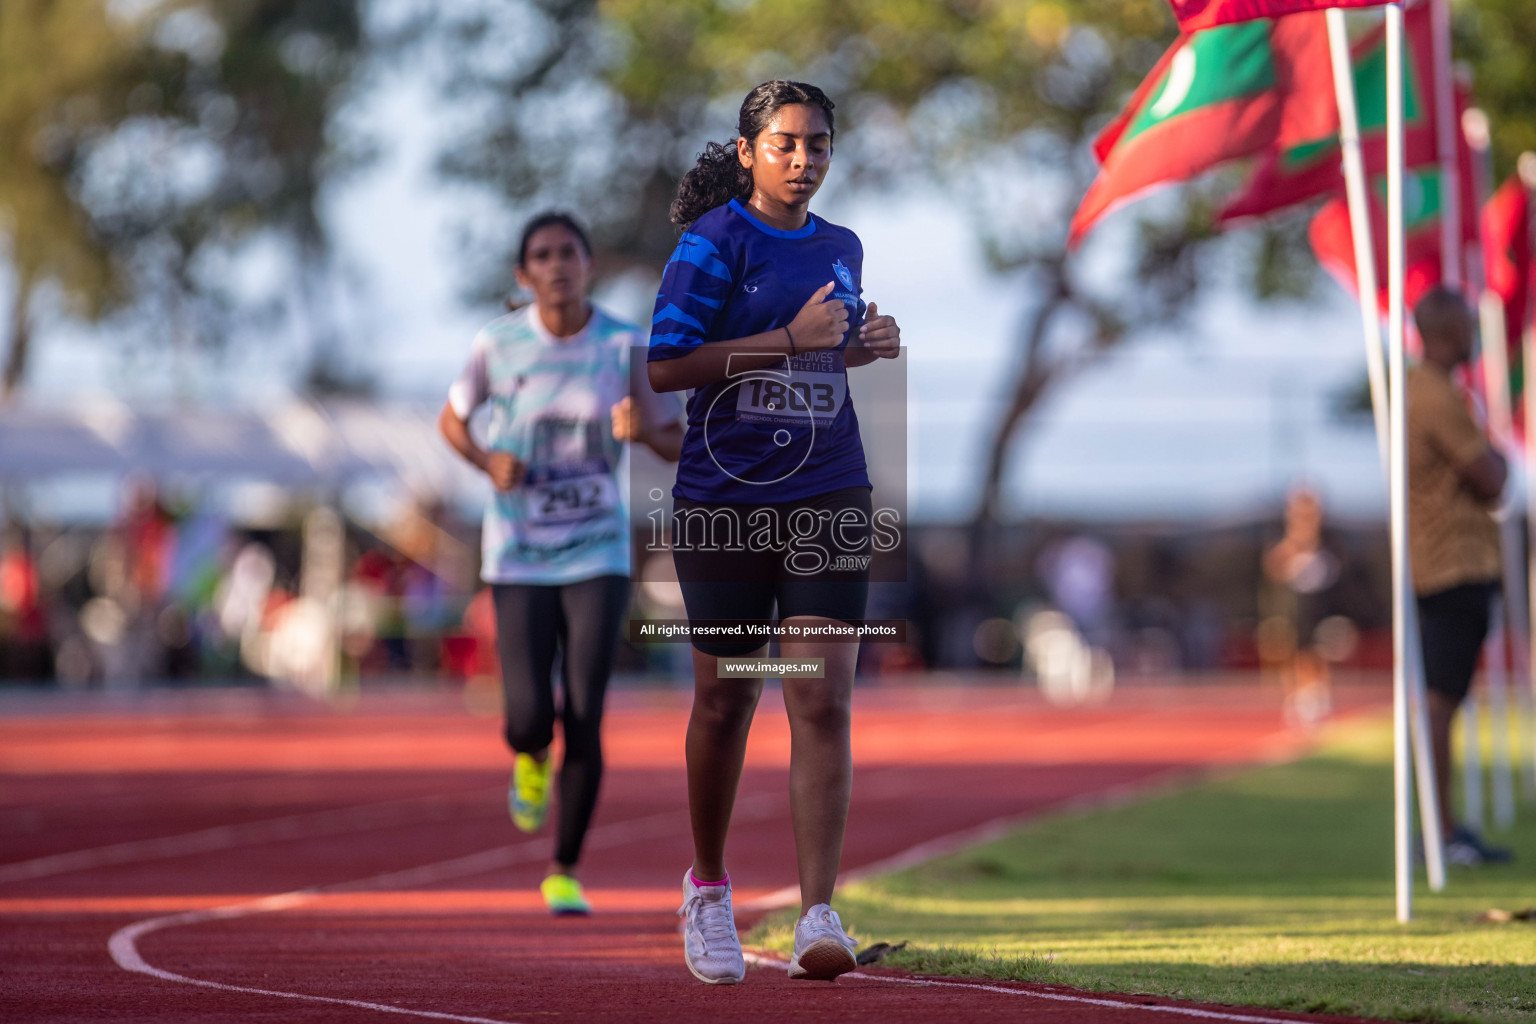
x: 820, y: 762
x: 1442, y: 710
x: 716, y: 746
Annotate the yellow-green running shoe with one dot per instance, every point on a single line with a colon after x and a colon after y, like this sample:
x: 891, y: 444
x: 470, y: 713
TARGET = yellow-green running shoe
x: 563, y: 896
x: 528, y: 796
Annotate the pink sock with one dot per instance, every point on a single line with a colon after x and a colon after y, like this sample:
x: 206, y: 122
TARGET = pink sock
x: 696, y: 881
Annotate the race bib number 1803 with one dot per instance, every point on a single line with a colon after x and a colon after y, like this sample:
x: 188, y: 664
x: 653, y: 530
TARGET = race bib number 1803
x: 806, y: 394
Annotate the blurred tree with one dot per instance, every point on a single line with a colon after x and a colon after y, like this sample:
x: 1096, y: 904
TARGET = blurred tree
x: 1498, y: 39
x: 144, y: 141
x: 601, y: 105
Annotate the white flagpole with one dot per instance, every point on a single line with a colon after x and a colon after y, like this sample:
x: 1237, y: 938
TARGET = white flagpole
x: 1375, y: 361
x: 1402, y: 780
x: 1423, y: 752
x: 1451, y: 255
x: 1504, y: 652
x: 1472, y: 756
x: 1359, y: 220
x: 1527, y: 171
x: 1451, y: 272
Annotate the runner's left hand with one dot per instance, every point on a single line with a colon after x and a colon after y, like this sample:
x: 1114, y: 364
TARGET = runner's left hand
x: 880, y: 334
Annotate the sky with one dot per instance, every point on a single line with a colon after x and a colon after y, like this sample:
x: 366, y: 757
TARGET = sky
x: 1213, y: 421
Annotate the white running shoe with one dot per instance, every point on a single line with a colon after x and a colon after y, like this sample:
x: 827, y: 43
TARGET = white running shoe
x: 822, y: 949
x: 710, y: 946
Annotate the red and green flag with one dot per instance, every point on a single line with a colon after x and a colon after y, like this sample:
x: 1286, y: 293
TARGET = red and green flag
x: 1333, y: 242
x: 1215, y: 96
x: 1509, y: 269
x: 1197, y: 15
x: 1310, y: 168
x: 1507, y: 255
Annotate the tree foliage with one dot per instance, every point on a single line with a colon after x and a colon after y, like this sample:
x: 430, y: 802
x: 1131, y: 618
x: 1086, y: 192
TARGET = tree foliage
x: 590, y: 103
x: 600, y: 105
x: 993, y: 101
x: 146, y: 140
x: 1498, y: 39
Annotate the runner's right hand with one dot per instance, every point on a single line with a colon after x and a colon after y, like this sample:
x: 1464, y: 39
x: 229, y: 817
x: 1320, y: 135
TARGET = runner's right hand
x: 821, y: 322
x: 504, y: 469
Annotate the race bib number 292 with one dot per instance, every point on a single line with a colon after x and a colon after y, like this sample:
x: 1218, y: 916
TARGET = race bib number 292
x: 559, y: 495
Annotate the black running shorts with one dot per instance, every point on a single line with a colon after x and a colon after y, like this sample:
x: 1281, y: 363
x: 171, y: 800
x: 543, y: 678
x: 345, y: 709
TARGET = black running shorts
x: 736, y: 563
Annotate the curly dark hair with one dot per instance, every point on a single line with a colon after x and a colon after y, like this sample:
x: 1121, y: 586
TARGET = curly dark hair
x: 718, y: 177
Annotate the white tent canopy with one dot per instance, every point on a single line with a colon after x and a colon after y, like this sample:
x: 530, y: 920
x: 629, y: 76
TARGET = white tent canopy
x: 300, y: 444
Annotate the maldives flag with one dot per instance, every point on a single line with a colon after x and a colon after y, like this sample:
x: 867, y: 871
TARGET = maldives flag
x: 1290, y: 175
x: 1214, y: 96
x: 1335, y: 248
x: 1508, y: 267
x: 1507, y: 259
x: 1195, y: 15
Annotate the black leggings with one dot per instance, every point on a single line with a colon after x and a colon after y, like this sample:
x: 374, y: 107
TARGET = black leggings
x: 582, y: 621
x: 735, y: 582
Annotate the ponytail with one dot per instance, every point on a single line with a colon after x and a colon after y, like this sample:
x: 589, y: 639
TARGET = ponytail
x: 715, y: 180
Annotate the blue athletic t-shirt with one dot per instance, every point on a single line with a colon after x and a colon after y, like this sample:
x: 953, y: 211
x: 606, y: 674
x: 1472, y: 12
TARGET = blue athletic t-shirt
x: 770, y: 434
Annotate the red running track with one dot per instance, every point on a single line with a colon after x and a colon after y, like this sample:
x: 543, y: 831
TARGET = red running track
x: 246, y: 856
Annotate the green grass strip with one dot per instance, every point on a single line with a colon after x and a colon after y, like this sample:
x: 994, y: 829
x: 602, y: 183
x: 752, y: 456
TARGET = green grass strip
x: 1271, y: 888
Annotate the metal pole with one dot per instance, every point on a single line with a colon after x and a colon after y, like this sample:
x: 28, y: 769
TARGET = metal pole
x: 1451, y: 254
x: 1423, y: 754
x: 1365, y: 271
x: 1528, y: 357
x: 1527, y: 171
x: 1503, y: 653
x: 1402, y: 781
x: 1359, y: 220
x: 1472, y: 756
x: 1501, y: 778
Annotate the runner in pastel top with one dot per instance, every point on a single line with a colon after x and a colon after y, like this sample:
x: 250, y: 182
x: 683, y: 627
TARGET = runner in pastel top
x: 550, y: 400
x: 557, y: 378
x: 760, y: 315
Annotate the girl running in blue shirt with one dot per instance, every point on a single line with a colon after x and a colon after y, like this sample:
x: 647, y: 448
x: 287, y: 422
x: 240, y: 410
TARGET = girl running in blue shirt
x: 759, y: 315
x: 556, y: 538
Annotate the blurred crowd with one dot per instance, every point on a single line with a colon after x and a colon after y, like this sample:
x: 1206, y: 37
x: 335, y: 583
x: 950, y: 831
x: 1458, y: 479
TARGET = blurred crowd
x: 174, y: 592
x: 171, y: 591
x: 1290, y: 596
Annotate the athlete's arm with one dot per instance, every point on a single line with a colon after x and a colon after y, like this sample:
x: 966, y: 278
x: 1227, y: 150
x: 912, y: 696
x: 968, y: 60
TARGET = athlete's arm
x: 634, y: 422
x: 718, y: 360
x: 504, y: 468
x: 820, y: 324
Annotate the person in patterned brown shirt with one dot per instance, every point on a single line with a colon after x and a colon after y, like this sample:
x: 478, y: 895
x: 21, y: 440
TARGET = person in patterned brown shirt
x: 1455, y: 478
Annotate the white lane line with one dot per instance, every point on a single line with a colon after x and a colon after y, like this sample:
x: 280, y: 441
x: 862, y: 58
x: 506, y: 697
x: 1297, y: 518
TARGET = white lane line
x: 759, y: 960
x: 309, y: 825
x: 123, y: 945
x: 124, y: 949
